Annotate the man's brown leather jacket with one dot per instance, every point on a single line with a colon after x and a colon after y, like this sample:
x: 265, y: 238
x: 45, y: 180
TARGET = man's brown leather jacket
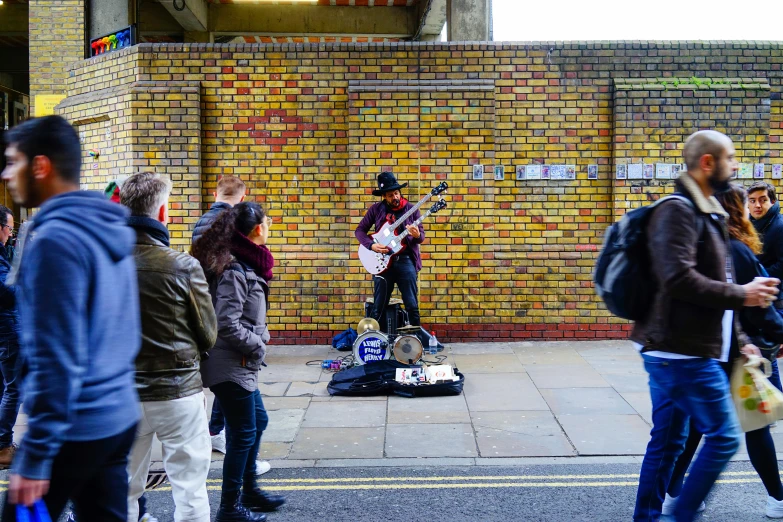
x: 689, y: 252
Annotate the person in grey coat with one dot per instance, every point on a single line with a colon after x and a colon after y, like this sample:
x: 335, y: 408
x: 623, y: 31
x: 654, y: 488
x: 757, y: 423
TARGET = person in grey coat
x: 238, y: 265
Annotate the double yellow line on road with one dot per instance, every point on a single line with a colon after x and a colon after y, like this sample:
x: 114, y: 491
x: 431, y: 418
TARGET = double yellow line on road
x: 459, y: 482
x: 465, y: 482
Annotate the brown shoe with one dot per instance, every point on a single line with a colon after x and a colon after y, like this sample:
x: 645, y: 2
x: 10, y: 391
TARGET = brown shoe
x: 7, y: 456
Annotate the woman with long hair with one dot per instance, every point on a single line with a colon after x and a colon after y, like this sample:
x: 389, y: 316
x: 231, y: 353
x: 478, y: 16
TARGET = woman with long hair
x: 760, y: 324
x: 238, y: 266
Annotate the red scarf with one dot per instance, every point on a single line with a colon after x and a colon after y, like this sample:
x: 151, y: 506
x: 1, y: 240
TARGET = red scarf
x: 403, y: 202
x: 258, y: 257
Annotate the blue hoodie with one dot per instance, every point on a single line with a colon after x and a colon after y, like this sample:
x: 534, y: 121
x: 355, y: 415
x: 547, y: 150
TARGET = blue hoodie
x: 80, y: 327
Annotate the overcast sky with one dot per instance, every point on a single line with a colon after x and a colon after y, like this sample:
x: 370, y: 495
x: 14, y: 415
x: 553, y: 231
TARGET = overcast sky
x: 530, y: 20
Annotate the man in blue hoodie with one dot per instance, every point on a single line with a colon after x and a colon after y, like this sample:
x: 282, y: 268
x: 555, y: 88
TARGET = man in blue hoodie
x: 76, y: 285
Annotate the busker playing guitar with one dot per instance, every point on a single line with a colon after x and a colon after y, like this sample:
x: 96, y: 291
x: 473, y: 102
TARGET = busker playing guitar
x: 405, y: 267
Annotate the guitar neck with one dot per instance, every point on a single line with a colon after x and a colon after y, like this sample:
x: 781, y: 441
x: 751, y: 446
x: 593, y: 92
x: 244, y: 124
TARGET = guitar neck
x: 416, y: 223
x: 409, y: 213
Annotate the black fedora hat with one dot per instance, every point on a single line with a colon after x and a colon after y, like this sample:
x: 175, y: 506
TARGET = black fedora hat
x: 386, y: 183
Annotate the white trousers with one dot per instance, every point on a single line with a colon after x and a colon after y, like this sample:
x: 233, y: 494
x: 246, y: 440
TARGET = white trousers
x: 182, y: 429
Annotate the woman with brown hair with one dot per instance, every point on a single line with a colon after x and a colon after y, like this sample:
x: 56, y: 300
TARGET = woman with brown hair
x: 238, y: 266
x: 760, y: 324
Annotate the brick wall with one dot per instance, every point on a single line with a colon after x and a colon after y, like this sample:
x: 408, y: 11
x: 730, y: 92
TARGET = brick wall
x: 56, y: 35
x: 310, y: 126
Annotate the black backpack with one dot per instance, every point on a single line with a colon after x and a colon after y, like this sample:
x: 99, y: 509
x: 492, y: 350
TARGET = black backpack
x: 622, y: 274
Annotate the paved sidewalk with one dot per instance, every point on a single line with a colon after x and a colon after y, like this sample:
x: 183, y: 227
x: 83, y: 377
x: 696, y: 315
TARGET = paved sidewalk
x: 524, y: 399
x: 521, y: 401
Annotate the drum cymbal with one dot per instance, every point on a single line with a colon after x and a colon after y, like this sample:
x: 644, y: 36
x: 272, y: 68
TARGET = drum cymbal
x: 368, y: 323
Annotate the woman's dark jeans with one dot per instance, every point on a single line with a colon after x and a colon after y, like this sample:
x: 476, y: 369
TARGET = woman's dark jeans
x: 246, y: 420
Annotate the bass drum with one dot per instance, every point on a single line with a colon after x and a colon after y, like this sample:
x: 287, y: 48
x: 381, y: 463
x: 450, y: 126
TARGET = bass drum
x: 371, y: 346
x: 407, y: 349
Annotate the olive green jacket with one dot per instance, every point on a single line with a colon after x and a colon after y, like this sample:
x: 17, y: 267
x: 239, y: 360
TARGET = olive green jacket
x: 178, y: 321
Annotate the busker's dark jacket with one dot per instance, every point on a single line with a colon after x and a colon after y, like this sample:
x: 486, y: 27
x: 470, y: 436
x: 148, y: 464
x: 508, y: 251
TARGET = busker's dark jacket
x: 689, y: 248
x: 178, y: 323
x: 377, y: 216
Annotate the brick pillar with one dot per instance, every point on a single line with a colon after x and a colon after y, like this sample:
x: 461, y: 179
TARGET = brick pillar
x: 56, y: 40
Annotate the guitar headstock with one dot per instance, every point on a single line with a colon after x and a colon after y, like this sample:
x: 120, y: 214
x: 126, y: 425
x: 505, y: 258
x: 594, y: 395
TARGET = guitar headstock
x: 439, y: 205
x: 440, y: 188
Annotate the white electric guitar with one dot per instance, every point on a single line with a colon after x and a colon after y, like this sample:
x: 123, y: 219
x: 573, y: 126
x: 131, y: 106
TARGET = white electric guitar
x: 376, y: 263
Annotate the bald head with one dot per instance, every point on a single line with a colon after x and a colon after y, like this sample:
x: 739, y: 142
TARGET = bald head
x: 711, y: 142
x: 709, y: 156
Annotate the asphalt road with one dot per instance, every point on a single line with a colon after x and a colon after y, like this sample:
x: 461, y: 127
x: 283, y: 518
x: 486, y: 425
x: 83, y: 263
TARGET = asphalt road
x: 546, y: 493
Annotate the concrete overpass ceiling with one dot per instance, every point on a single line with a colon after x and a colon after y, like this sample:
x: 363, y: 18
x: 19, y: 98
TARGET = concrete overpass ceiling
x: 357, y: 3
x: 295, y: 21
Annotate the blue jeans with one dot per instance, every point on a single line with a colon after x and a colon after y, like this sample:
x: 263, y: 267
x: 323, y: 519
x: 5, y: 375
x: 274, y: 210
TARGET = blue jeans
x: 10, y: 366
x: 216, y: 420
x: 681, y: 388
x: 402, y: 272
x: 246, y: 420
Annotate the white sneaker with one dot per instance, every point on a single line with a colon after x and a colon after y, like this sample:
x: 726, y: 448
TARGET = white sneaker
x: 670, y: 502
x: 262, y: 467
x: 219, y: 442
x: 774, y: 508
x: 148, y: 518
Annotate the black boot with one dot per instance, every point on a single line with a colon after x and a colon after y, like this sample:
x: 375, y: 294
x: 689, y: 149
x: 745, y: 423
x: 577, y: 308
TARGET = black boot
x: 256, y: 500
x: 236, y: 512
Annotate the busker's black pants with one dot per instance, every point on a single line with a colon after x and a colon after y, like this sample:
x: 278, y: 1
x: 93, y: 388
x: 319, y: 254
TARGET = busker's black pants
x: 402, y: 273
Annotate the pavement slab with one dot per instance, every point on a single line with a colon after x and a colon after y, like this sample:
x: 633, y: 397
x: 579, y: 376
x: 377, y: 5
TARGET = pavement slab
x: 287, y: 369
x: 273, y: 389
x: 283, y: 425
x: 359, y: 414
x: 284, y: 403
x: 528, y: 355
x: 489, y: 363
x: 641, y: 402
x: 565, y: 401
x: 502, y: 392
x: 606, y: 434
x: 565, y: 376
x: 430, y: 440
x: 428, y: 410
x: 338, y: 443
x: 520, y: 434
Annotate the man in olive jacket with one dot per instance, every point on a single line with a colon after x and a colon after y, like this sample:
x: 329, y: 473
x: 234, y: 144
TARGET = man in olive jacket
x: 178, y: 326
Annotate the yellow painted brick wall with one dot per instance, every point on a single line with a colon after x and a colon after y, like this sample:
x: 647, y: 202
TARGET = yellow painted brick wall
x: 56, y: 33
x: 309, y: 127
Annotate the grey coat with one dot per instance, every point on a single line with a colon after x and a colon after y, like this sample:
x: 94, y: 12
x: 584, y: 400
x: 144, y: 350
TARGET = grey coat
x: 240, y: 300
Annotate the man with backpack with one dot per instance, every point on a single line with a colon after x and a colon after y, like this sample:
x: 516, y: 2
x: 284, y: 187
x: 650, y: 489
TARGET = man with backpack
x: 685, y: 325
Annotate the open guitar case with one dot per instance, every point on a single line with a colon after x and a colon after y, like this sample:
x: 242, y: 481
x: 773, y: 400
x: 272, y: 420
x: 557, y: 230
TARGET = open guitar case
x: 378, y: 378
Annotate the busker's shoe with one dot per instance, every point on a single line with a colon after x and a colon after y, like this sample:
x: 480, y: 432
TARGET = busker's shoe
x: 774, y: 508
x: 670, y: 502
x: 262, y: 467
x: 219, y: 442
x: 237, y: 513
x: 7, y: 455
x: 257, y: 500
